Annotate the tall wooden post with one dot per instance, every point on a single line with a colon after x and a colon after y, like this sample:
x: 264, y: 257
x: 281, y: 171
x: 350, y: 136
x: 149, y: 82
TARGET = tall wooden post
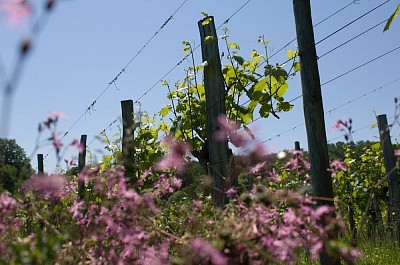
x: 127, y: 138
x: 313, y: 111
x: 392, y: 177
x: 40, y: 164
x: 81, y: 165
x: 297, y: 146
x: 215, y: 103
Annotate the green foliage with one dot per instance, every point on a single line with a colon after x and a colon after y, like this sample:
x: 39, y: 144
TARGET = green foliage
x: 246, y: 80
x: 362, y: 182
x: 15, y: 166
x: 147, y: 149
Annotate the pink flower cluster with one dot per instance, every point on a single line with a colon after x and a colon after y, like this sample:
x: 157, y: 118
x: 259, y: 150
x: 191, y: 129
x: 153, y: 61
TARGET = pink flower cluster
x: 166, y: 185
x: 114, y: 231
x: 228, y: 130
x: 8, y: 208
x: 280, y: 231
x: 297, y: 163
x: 337, y: 166
x: 49, y: 187
x: 175, y: 159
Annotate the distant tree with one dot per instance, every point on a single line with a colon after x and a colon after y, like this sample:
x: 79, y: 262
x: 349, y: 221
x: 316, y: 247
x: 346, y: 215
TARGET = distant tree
x: 15, y: 166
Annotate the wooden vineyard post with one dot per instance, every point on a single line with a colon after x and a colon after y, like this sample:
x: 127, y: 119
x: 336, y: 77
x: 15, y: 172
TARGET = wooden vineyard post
x: 127, y: 138
x: 81, y: 164
x: 40, y: 164
x: 215, y: 104
x: 392, y: 177
x: 313, y: 112
x: 297, y: 146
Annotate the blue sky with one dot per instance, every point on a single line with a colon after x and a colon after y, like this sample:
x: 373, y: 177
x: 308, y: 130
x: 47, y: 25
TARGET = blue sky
x: 85, y: 44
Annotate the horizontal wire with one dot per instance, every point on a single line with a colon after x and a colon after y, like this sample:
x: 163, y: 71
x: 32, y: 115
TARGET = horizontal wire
x: 317, y: 24
x: 353, y: 38
x: 155, y: 84
x: 184, y: 58
x: 88, y: 109
x: 104, y: 130
x: 351, y: 22
x: 324, y: 39
x: 329, y: 111
x: 360, y: 66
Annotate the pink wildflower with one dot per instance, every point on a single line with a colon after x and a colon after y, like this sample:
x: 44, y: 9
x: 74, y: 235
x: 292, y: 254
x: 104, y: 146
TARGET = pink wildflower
x: 297, y: 162
x: 197, y: 205
x: 16, y: 10
x: 207, y: 252
x: 397, y: 153
x: 228, y: 130
x: 337, y: 166
x: 338, y: 125
x: 257, y: 167
x: 166, y: 185
x: 76, y: 144
x: 176, y: 156
x: 53, y: 186
x: 55, y: 116
x: 231, y: 192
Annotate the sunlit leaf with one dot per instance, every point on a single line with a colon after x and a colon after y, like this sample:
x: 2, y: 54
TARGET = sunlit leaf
x: 238, y: 59
x: 233, y: 45
x: 290, y: 54
x: 392, y: 18
x: 165, y: 110
x: 209, y: 39
x: 296, y: 66
x: 206, y: 21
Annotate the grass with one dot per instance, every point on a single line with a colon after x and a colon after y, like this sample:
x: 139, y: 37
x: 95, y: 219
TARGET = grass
x: 378, y: 252
x: 374, y: 252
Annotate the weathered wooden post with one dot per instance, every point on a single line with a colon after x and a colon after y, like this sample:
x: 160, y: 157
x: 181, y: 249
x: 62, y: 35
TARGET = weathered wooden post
x: 215, y: 103
x: 297, y: 146
x: 313, y: 111
x: 127, y: 138
x: 40, y: 164
x: 392, y: 177
x: 81, y: 164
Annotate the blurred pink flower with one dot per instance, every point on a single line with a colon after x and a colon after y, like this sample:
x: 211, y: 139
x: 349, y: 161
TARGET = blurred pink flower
x: 175, y: 159
x: 76, y: 144
x: 207, y: 252
x: 337, y: 166
x: 256, y: 169
x: 338, y: 125
x: 397, y: 153
x: 228, y: 131
x: 56, y: 141
x: 53, y: 186
x: 16, y: 10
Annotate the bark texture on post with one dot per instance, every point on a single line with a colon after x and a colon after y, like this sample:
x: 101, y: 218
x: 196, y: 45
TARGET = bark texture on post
x: 313, y: 111
x: 392, y: 177
x: 81, y: 165
x: 127, y: 139
x: 215, y: 103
